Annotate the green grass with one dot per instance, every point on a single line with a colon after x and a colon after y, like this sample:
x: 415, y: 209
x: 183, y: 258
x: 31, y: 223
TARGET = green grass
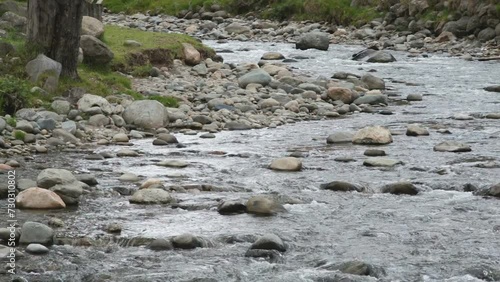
x: 166, y: 101
x: 19, y: 134
x: 157, y: 6
x: 157, y: 48
x: 11, y: 121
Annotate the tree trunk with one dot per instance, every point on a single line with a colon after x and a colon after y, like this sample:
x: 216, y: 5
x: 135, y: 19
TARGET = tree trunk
x: 55, y: 26
x: 93, y: 8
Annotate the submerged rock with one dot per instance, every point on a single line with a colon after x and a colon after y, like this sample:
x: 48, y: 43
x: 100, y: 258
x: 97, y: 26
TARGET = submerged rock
x: 263, y: 205
x: 341, y: 186
x: 231, y: 207
x: 187, y: 241
x: 269, y: 242
x: 452, y: 146
x: 403, y: 187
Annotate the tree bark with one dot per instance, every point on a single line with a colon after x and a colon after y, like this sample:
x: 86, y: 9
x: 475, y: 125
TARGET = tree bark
x: 93, y: 8
x: 55, y: 26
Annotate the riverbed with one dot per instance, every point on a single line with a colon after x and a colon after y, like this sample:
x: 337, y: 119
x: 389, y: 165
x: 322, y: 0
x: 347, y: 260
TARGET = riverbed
x: 437, y: 235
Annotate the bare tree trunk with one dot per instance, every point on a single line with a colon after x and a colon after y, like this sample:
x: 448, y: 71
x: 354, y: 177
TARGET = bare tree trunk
x: 55, y: 25
x: 93, y: 8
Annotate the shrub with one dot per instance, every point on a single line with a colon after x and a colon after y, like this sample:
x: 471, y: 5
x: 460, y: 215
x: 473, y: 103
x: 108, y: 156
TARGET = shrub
x: 14, y: 94
x: 19, y: 134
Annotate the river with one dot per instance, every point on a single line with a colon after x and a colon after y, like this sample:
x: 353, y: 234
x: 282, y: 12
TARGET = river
x: 434, y: 236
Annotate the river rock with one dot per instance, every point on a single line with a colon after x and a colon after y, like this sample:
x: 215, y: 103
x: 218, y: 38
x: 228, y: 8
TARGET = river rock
x: 493, y: 88
x: 173, y: 163
x: 374, y: 99
x: 187, y: 241
x: 286, y: 164
x: 192, y: 56
x: 38, y: 233
x: 494, y: 191
x: 89, y: 101
x: 120, y: 137
x: 87, y: 178
x: 95, y: 51
x: 381, y: 57
x: 51, y: 176
x: 268, y: 103
x: 146, y: 114
x: 360, y: 268
x: 416, y: 130
x: 167, y: 137
x: 151, y: 183
x: 92, y: 26
x: 272, y: 56
x: 373, y: 82
x: 381, y: 162
x: 237, y: 28
x: 345, y: 95
x: 128, y: 177
x: 374, y: 153
x: 231, y: 207
x: 236, y: 125
x: 151, y: 196
x: 258, y: 76
x: 486, y: 34
x: 373, y: 135
x: 160, y: 245
x: 24, y: 125
x: 43, y: 66
x: 269, y: 242
x: 65, y: 136
x: 452, y: 146
x: 70, y: 193
x: 38, y: 198
x: 263, y: 205
x: 37, y: 249
x: 341, y: 186
x: 339, y: 137
x: 414, y: 97
x: 398, y: 188
x: 314, y: 40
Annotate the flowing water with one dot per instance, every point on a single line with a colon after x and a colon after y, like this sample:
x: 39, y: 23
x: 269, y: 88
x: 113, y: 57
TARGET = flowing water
x: 434, y: 236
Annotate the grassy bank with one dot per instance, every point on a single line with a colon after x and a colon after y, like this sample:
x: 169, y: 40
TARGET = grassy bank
x: 335, y: 11
x: 157, y: 49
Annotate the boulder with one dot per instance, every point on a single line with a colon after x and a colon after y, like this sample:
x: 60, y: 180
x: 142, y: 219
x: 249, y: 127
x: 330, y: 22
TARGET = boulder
x: 43, y: 67
x: 372, y: 99
x: 38, y: 233
x: 95, y: 51
x: 258, y: 76
x: 416, y: 130
x: 151, y: 196
x: 452, y: 146
x: 146, y: 114
x: 381, y: 57
x: 92, y: 26
x: 89, y: 101
x: 187, y: 241
x: 37, y: 249
x: 272, y: 56
x: 231, y: 207
x: 120, y: 138
x: 269, y: 242
x: 38, y: 198
x: 236, y: 28
x: 192, y: 56
x: 160, y: 245
x: 339, y: 137
x: 345, y: 95
x: 314, y: 40
x: 14, y: 7
x: 341, y: 186
x: 373, y: 82
x: 263, y: 205
x: 286, y: 164
x: 486, y: 34
x: 373, y: 135
x: 16, y: 21
x: 61, y: 107
x: 403, y: 187
x: 52, y: 176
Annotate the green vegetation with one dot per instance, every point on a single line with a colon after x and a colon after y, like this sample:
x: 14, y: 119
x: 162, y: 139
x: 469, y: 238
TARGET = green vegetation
x: 158, y: 49
x: 19, y: 134
x: 166, y: 101
x: 336, y: 11
x: 11, y: 121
